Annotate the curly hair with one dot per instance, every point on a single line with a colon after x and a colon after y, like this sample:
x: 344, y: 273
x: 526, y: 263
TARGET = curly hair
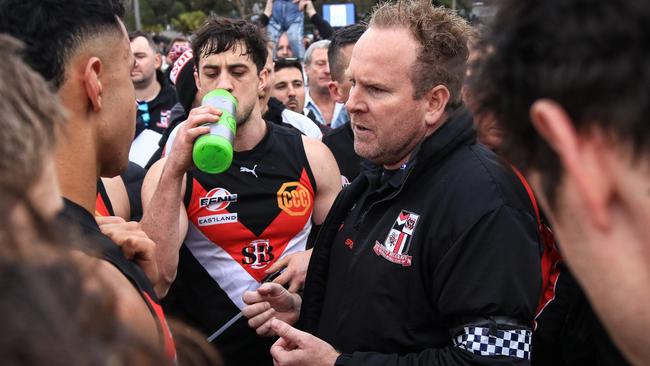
x: 442, y: 36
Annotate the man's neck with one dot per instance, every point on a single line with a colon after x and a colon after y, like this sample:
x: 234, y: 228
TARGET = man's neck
x: 250, y: 133
x: 147, y: 91
x: 398, y: 164
x: 77, y: 170
x: 321, y: 97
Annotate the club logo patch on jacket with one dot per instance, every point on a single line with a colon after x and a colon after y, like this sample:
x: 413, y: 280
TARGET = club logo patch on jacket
x: 396, y: 245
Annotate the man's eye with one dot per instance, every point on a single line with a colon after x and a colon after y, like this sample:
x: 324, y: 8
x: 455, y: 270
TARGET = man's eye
x: 375, y: 90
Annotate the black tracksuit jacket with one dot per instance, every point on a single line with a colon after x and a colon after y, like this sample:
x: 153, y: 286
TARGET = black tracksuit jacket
x: 469, y: 256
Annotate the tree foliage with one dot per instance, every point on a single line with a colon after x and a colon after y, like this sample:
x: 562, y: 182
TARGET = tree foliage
x: 188, y: 22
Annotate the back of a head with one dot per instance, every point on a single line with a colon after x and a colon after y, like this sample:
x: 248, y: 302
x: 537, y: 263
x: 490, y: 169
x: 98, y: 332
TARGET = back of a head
x: 53, y: 30
x: 592, y: 59
x: 30, y: 114
x: 341, y: 38
x: 220, y: 34
x: 324, y: 43
x: 442, y: 36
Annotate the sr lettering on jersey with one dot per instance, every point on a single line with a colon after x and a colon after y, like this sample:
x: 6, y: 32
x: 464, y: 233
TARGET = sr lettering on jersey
x: 258, y: 254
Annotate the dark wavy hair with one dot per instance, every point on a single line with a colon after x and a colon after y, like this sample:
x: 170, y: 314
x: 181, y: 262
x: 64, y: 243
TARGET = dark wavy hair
x: 591, y: 57
x: 220, y: 34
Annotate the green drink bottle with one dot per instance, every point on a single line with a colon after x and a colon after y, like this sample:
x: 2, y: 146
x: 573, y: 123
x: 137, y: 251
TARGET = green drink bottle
x: 212, y: 153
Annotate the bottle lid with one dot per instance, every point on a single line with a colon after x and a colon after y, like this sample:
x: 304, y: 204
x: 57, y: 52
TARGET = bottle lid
x: 212, y: 154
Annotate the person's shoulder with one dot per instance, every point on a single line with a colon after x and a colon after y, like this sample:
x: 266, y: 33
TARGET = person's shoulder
x: 167, y: 93
x: 317, y: 152
x: 478, y: 181
x: 337, y: 132
x: 301, y: 122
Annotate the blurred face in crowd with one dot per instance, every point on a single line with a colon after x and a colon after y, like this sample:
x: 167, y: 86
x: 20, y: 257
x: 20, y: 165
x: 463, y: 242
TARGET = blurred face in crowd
x: 318, y: 70
x: 289, y: 88
x: 146, y: 63
x: 283, y: 49
x: 387, y: 121
x: 234, y: 71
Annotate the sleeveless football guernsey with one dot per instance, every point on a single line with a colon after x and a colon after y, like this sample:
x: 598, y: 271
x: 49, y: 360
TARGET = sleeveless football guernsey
x: 240, y: 223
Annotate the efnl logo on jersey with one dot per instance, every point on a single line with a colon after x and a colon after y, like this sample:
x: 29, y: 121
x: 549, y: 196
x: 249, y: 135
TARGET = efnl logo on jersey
x: 398, y: 240
x: 217, y: 200
x: 294, y: 198
x: 258, y: 254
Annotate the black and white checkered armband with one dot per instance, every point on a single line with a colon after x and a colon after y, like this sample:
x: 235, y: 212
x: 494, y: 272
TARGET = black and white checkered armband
x: 495, y: 342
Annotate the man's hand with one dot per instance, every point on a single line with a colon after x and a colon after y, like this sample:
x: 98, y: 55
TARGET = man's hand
x: 135, y: 244
x: 307, y: 6
x: 295, y: 272
x: 179, y: 160
x: 268, y: 8
x: 295, y: 348
x: 270, y: 301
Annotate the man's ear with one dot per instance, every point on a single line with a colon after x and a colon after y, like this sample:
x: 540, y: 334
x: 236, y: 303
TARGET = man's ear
x: 436, y: 102
x: 265, y: 79
x: 197, y: 81
x: 333, y: 87
x: 157, y: 61
x: 580, y: 155
x: 92, y: 82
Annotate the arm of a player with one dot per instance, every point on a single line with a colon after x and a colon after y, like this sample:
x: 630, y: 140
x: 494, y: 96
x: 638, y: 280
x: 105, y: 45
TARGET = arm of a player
x: 327, y: 176
x: 164, y: 220
x: 119, y: 197
x: 328, y: 184
x: 131, y: 308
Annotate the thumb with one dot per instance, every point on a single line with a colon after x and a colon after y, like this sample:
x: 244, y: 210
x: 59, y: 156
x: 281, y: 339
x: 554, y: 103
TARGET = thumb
x: 270, y: 289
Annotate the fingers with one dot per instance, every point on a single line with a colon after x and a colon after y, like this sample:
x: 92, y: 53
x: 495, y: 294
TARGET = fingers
x: 252, y: 297
x: 262, y: 323
x: 103, y: 220
x: 194, y: 133
x: 265, y: 292
x: 283, y: 278
x: 253, y: 310
x: 279, y: 264
x: 295, y: 285
x: 280, y: 351
x: 259, y: 316
x: 202, y: 115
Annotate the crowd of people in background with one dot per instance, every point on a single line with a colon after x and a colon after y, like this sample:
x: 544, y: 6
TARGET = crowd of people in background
x: 408, y: 190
